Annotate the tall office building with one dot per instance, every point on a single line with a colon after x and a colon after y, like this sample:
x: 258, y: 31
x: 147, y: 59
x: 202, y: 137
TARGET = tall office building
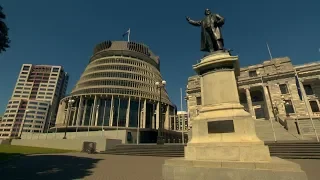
x: 34, y: 100
x: 180, y: 122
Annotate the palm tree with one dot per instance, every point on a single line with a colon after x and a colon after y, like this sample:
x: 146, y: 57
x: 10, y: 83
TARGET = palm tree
x: 4, y: 39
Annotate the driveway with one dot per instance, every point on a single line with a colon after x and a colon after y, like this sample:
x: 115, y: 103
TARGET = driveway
x: 71, y: 166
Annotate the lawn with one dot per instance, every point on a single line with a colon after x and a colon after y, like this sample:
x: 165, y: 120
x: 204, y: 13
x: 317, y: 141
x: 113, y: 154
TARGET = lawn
x: 8, y: 151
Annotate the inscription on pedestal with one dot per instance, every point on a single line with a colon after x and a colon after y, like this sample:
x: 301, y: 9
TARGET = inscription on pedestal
x: 223, y: 126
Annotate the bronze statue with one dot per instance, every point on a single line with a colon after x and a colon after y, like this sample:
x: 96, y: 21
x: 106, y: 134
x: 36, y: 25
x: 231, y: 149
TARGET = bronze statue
x: 211, y: 37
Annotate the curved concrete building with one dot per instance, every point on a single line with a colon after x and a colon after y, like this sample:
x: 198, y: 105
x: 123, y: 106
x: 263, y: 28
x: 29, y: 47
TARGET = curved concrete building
x: 117, y: 90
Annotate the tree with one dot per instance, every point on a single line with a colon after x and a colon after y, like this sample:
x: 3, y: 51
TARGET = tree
x: 4, y: 38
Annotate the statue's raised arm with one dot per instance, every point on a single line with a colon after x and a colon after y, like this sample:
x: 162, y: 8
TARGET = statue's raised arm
x: 192, y: 22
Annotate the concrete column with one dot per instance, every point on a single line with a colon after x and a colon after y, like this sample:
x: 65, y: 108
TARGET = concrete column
x: 153, y: 120
x: 74, y: 116
x: 249, y: 101
x: 144, y: 114
x: 268, y: 102
x: 80, y: 111
x: 97, y: 107
x: 174, y: 119
x: 128, y: 113
x: 167, y: 118
x: 111, y: 111
x: 157, y: 115
x: 93, y: 114
x: 84, y: 111
x: 304, y: 95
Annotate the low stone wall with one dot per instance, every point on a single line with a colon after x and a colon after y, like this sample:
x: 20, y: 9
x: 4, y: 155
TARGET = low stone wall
x: 68, y: 144
x: 112, y: 134
x: 5, y: 141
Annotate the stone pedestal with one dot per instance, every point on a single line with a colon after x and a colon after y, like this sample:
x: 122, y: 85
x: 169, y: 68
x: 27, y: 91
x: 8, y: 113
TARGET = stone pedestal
x: 224, y: 144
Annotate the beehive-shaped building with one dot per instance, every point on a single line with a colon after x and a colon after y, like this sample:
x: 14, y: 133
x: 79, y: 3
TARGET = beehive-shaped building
x: 117, y: 89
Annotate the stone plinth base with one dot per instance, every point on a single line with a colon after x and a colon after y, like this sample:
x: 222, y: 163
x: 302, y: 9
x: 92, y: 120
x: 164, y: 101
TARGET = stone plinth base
x: 276, y: 169
x: 228, y: 151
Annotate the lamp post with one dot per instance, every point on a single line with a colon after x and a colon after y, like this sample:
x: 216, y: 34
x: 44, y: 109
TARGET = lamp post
x: 25, y: 116
x: 160, y: 85
x: 70, y: 102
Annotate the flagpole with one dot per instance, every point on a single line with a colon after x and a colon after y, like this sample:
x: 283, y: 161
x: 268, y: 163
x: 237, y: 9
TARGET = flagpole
x: 269, y: 51
x: 183, y: 124
x: 270, y: 119
x: 129, y: 35
x: 303, y: 93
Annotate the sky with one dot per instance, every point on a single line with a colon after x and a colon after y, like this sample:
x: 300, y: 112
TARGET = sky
x: 61, y: 32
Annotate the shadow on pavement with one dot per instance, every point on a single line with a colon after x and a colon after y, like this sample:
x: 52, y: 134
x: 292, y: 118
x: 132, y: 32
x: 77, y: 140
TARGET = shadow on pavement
x: 62, y: 167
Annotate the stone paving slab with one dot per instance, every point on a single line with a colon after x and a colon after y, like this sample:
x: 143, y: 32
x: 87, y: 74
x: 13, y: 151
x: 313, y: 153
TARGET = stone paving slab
x: 81, y: 166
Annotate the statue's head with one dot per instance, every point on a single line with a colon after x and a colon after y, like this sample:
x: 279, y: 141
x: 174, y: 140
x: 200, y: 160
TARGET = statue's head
x: 207, y: 12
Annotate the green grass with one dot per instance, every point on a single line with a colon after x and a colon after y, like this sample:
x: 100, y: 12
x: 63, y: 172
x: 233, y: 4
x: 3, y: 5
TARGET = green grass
x: 8, y: 151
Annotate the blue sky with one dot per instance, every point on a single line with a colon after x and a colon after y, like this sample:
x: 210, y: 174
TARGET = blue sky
x: 62, y: 32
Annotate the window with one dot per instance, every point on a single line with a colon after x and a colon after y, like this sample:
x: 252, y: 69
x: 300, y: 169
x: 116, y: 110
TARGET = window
x: 284, y: 89
x: 288, y: 106
x: 198, y: 99
x: 253, y: 73
x: 26, y: 68
x: 55, y: 69
x: 314, y: 106
x: 308, y: 89
x: 43, y: 104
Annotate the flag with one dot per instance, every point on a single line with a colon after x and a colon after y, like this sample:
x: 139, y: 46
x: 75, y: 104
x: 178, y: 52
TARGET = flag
x: 126, y: 33
x: 298, y: 86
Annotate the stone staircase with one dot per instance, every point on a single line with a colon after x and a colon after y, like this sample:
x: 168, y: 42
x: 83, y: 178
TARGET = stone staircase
x: 285, y: 150
x: 306, y: 127
x: 264, y: 131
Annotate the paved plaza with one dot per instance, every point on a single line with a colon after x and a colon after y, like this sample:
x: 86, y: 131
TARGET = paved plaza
x: 72, y: 166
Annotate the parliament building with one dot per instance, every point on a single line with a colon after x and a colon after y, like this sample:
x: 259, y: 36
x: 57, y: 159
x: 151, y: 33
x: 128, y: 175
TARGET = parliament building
x: 269, y: 92
x: 117, y: 90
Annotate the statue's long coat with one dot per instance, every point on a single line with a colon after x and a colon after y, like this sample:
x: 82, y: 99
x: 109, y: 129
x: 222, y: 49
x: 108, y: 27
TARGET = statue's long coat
x: 213, y: 19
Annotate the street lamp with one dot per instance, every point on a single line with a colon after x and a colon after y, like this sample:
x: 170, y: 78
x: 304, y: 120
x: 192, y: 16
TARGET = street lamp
x: 70, y: 102
x: 159, y: 86
x: 21, y: 126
